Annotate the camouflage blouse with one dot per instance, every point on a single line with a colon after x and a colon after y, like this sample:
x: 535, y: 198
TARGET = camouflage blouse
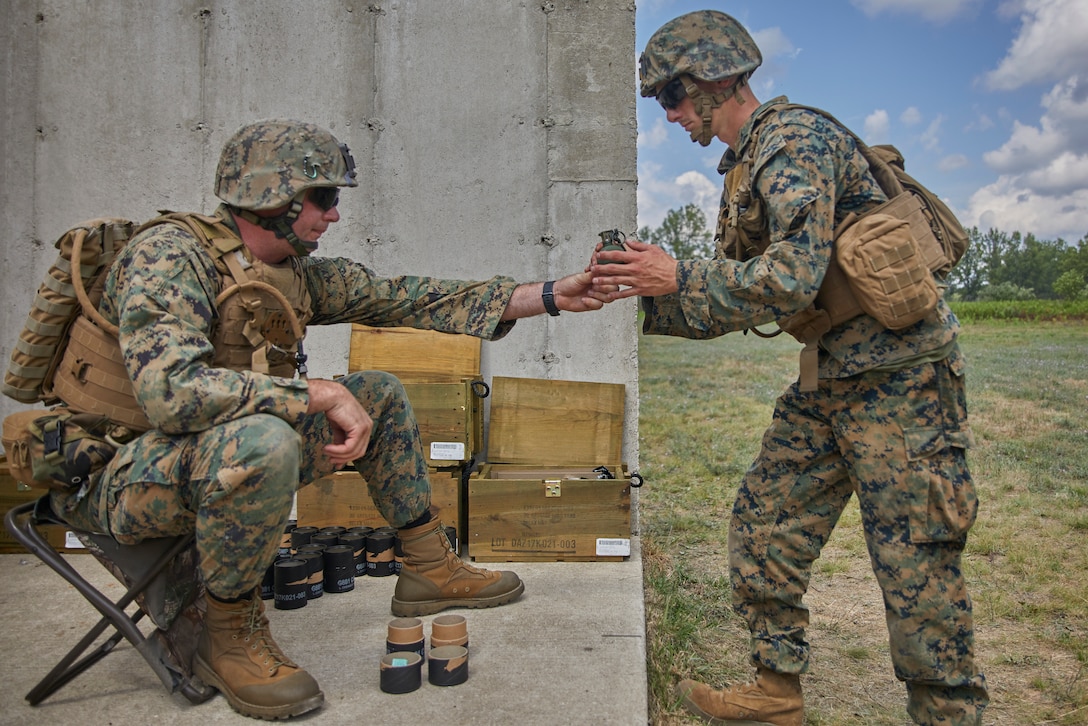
x: 810, y: 176
x: 161, y: 293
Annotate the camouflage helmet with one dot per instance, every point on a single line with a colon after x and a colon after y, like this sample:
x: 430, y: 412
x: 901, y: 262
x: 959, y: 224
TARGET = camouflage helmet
x: 707, y: 44
x: 267, y: 164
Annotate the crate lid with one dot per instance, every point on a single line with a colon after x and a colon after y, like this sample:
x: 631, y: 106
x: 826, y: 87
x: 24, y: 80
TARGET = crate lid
x: 414, y: 356
x: 539, y: 421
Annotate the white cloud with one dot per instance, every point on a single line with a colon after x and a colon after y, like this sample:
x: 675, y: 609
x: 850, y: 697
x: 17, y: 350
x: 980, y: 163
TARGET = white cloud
x: 1008, y: 206
x: 1043, y: 187
x: 657, y: 195
x: 1061, y: 129
x: 936, y: 11
x: 877, y: 125
x: 773, y: 43
x: 953, y: 162
x: 1066, y: 173
x: 654, y: 136
x: 911, y: 117
x: 777, y: 51
x: 1050, y: 44
x: 700, y: 189
x: 1026, y: 147
x: 930, y: 138
x: 982, y: 123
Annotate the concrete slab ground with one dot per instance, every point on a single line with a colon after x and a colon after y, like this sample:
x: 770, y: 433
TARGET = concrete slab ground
x: 571, y: 650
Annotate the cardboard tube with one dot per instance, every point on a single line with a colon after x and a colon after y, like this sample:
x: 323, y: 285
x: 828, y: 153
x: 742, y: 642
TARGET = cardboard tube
x: 401, y: 672
x: 448, y: 666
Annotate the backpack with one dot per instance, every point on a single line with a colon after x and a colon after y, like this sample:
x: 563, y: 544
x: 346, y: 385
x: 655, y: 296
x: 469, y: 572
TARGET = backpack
x: 887, y: 166
x: 63, y: 294
x: 888, y: 261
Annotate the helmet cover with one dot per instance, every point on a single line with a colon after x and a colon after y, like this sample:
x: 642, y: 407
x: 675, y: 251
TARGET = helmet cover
x: 267, y: 164
x: 707, y: 45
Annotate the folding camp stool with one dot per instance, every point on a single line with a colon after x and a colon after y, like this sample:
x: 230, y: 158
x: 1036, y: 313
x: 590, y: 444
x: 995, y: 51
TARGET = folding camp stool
x: 160, y: 576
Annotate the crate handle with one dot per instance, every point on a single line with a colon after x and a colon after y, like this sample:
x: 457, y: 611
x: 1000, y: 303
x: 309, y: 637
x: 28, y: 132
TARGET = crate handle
x: 636, y: 477
x: 480, y: 389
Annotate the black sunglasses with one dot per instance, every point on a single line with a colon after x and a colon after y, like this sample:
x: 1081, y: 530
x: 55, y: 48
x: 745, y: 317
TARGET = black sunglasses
x: 672, y: 94
x: 325, y: 197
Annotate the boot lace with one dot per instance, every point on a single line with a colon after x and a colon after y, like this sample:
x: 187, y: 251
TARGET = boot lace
x: 259, y: 638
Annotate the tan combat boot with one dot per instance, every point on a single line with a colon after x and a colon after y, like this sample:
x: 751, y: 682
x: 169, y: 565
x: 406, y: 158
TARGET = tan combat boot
x: 774, y: 699
x: 433, y: 578
x: 237, y: 655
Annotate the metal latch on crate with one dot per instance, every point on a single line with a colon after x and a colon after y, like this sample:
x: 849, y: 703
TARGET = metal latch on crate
x: 553, y: 488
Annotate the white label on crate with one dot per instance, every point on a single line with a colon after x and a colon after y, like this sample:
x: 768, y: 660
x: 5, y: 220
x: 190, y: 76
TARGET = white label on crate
x: 71, y: 541
x: 451, y: 450
x: 613, y: 547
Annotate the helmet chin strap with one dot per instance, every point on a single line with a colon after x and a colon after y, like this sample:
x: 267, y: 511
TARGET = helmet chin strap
x: 281, y: 226
x: 705, y: 103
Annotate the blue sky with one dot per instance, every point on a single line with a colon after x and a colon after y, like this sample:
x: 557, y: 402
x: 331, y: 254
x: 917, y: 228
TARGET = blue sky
x: 987, y: 100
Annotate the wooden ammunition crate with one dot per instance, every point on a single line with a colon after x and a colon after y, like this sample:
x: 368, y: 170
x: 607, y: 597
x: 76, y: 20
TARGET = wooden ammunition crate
x: 441, y: 375
x: 12, y: 494
x: 450, y: 418
x: 540, y: 496
x: 414, y: 356
x: 343, y: 499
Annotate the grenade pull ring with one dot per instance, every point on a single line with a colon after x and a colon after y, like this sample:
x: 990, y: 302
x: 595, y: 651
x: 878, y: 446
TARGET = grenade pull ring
x: 612, y: 240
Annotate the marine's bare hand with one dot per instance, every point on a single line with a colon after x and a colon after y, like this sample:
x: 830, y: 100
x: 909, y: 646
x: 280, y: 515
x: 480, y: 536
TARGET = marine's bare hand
x: 350, y: 423
x: 646, y: 270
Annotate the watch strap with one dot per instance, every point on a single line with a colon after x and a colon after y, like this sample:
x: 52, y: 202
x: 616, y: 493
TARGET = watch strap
x: 548, y: 296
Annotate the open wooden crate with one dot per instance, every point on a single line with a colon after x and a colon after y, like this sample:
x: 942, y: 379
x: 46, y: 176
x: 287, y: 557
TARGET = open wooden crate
x: 343, y: 499
x: 544, y: 494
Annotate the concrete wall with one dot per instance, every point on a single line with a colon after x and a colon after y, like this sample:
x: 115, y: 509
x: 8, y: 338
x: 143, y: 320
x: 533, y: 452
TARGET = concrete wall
x: 492, y: 137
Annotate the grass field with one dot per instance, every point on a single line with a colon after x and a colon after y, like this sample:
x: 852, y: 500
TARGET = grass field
x: 703, y: 408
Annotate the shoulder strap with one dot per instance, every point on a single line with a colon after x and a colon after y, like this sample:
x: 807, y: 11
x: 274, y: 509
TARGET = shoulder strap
x: 212, y: 232
x: 882, y: 172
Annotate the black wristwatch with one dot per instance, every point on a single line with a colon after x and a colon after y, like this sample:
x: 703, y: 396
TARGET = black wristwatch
x: 548, y: 295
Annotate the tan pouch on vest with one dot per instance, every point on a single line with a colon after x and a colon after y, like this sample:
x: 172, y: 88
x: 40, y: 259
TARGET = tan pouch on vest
x: 92, y: 377
x: 886, y: 270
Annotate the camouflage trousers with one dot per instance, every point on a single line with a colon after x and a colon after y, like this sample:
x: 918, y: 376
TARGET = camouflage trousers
x: 897, y: 440
x: 233, y: 485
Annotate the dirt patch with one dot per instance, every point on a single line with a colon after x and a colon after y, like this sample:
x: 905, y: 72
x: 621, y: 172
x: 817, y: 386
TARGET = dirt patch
x: 851, y: 670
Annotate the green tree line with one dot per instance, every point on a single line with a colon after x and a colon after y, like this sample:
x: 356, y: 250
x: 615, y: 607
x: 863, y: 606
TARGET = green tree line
x: 996, y: 266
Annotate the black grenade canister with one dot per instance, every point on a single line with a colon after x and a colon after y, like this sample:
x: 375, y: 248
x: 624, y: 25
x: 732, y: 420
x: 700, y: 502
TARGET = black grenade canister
x: 316, y: 577
x: 325, y: 538
x: 301, y: 536
x: 339, y: 569
x: 285, y: 540
x: 379, y: 554
x: 268, y: 582
x: 357, y: 542
x: 291, y: 584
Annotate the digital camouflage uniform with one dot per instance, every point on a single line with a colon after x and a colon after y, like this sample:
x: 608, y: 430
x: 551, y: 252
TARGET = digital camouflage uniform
x: 888, y: 423
x: 230, y: 447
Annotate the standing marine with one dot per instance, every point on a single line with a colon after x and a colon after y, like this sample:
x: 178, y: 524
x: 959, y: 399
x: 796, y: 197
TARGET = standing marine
x: 877, y: 413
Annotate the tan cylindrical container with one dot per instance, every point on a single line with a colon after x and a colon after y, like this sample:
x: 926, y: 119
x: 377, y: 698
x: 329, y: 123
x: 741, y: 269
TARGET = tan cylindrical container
x: 404, y: 635
x: 449, y: 630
